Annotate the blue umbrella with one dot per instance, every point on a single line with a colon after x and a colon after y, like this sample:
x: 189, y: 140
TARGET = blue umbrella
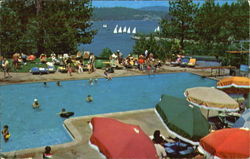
x: 244, y: 120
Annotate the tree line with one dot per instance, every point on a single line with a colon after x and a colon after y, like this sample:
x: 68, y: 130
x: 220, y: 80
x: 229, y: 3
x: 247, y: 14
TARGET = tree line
x: 44, y: 26
x: 207, y: 29
x: 122, y: 13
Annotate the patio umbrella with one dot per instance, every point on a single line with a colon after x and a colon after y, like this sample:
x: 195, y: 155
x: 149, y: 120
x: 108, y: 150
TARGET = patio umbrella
x: 182, y: 121
x: 244, y: 120
x: 239, y: 85
x: 31, y: 57
x: 116, y: 139
x: 211, y: 99
x: 227, y: 143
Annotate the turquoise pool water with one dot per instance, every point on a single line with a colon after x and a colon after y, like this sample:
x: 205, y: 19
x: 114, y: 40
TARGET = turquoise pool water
x: 31, y: 128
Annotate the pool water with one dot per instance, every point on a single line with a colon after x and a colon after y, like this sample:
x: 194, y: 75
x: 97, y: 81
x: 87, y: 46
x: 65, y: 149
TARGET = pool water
x: 31, y: 128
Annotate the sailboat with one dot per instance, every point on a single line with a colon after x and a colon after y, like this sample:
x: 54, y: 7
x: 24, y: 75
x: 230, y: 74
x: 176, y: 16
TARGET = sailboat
x: 120, y: 30
x: 124, y: 29
x: 115, y: 30
x: 157, y: 29
x: 104, y: 25
x: 134, y: 30
x: 128, y: 31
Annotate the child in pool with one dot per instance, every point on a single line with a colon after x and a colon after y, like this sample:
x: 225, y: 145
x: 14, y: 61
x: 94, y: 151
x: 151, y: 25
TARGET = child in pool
x: 5, y: 133
x: 89, y: 98
x: 35, y: 104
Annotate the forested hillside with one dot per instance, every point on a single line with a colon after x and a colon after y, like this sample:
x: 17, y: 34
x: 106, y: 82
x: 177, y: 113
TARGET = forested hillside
x: 122, y: 13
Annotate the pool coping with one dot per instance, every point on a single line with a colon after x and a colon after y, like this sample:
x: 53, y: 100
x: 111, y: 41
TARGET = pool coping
x: 72, y: 131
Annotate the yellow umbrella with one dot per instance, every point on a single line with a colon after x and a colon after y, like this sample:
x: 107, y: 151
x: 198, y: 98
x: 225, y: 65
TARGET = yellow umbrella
x: 211, y: 99
x: 240, y: 85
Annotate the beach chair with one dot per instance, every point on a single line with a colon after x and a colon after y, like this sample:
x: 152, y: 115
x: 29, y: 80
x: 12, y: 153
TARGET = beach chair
x: 192, y: 62
x: 51, y: 69
x: 244, y: 70
x: 177, y: 62
x: 184, y: 62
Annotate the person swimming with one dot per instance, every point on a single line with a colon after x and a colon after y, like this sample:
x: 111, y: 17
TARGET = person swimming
x: 5, y: 133
x: 65, y: 114
x: 45, y: 84
x: 35, y: 104
x: 91, y: 81
x: 58, y: 83
x: 89, y: 98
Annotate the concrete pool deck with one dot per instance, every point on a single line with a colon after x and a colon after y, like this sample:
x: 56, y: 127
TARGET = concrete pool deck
x: 28, y: 77
x: 78, y: 127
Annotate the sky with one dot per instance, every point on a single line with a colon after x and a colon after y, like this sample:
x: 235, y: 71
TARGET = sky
x: 140, y: 3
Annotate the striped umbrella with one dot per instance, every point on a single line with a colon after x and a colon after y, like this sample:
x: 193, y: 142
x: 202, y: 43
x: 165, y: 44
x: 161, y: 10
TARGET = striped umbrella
x: 239, y: 85
x: 211, y: 99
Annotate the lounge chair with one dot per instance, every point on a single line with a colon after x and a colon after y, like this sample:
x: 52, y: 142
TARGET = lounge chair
x: 178, y: 149
x: 191, y: 62
x: 51, y: 69
x: 39, y: 70
x: 244, y: 70
x: 184, y: 62
x: 177, y: 62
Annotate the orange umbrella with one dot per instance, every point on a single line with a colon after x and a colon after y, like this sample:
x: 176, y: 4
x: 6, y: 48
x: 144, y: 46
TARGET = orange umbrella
x: 227, y: 143
x: 240, y: 85
x: 31, y: 57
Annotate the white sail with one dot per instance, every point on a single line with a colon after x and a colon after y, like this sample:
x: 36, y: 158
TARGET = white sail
x: 124, y: 29
x: 115, y: 30
x: 128, y: 31
x: 120, y: 30
x: 134, y: 30
x: 157, y: 29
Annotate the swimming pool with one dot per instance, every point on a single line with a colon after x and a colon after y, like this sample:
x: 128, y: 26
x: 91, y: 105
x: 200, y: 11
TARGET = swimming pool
x: 34, y: 128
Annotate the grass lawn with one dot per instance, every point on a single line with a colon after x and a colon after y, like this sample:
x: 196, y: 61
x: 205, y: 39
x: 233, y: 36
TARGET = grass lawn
x: 28, y: 66
x: 36, y: 63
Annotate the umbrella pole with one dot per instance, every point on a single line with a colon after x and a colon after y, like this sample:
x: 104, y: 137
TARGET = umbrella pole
x: 207, y: 113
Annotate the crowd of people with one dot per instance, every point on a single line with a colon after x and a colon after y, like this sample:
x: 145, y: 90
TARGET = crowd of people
x: 80, y: 62
x: 143, y: 62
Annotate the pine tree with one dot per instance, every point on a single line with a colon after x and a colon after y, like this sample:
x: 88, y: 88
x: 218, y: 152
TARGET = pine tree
x: 45, y: 26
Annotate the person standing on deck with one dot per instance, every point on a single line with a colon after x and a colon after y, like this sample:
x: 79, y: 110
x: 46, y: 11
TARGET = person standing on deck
x: 91, y: 63
x: 5, y: 65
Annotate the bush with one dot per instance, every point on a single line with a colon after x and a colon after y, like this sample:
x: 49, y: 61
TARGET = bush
x: 106, y: 52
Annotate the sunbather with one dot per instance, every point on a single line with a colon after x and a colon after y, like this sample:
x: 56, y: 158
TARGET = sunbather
x: 47, y: 153
x: 159, y: 141
x: 158, y: 138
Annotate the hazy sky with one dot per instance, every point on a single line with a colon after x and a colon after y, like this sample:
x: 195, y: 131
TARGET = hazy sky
x: 139, y: 4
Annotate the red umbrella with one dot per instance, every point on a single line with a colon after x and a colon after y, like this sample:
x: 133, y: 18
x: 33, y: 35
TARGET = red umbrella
x: 227, y: 143
x: 31, y: 57
x: 120, y: 140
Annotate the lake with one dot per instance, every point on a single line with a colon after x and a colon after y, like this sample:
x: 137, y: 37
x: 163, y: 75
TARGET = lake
x: 105, y: 38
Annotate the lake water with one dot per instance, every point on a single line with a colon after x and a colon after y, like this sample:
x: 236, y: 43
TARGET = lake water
x: 123, y: 42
